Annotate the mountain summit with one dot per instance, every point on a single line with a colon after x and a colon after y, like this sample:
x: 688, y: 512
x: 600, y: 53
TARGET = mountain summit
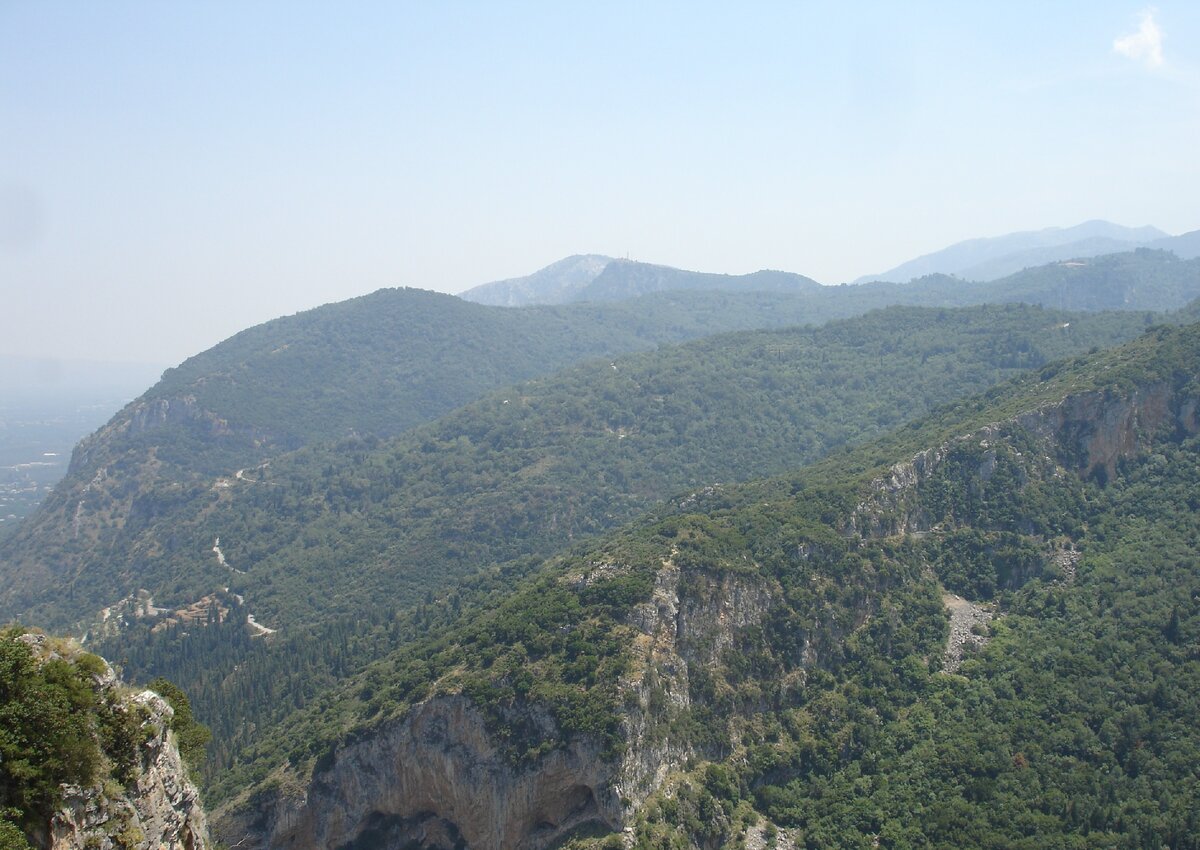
x: 592, y: 277
x: 557, y: 283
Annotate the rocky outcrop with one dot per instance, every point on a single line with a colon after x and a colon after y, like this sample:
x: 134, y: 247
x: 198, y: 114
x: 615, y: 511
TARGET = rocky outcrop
x: 436, y: 779
x: 157, y: 809
x: 691, y: 620
x: 439, y: 779
x: 146, y: 415
x: 161, y: 809
x: 1086, y: 433
x: 968, y: 629
x: 1094, y: 431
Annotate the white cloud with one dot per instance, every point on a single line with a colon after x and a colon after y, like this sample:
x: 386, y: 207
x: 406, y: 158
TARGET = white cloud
x: 1145, y: 45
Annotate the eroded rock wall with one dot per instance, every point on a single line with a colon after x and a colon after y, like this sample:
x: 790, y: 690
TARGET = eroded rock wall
x: 159, y: 808
x: 436, y: 779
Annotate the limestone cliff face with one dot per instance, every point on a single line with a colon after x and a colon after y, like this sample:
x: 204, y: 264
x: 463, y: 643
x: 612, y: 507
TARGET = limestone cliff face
x: 1087, y: 434
x: 692, y: 618
x: 161, y: 809
x: 437, y: 779
x: 158, y: 809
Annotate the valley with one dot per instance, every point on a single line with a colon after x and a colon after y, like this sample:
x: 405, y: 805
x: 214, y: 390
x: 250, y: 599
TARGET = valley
x: 36, y: 438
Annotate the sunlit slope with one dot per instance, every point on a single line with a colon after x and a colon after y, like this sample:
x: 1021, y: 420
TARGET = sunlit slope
x: 790, y: 658
x: 330, y: 544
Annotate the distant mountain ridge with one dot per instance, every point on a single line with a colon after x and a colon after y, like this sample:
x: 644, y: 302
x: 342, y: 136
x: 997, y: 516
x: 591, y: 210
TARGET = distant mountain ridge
x: 1186, y: 246
x: 993, y: 257
x: 628, y: 279
x: 594, y: 277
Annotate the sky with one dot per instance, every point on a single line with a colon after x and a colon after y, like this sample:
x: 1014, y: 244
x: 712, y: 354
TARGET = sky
x: 171, y: 173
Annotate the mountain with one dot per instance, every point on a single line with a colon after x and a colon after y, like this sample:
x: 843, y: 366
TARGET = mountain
x: 386, y: 362
x: 153, y: 500
x: 1134, y: 280
x: 254, y: 591
x: 979, y: 630
x: 265, y: 586
x: 189, y: 539
x: 381, y: 364
x: 1021, y: 260
x: 1186, y: 246
x: 994, y: 257
x: 557, y: 283
x: 594, y: 278
x: 624, y: 279
x: 372, y: 366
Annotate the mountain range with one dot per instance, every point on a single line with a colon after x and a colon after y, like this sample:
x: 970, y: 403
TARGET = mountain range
x: 995, y: 257
x: 688, y: 560
x: 591, y: 277
x: 594, y: 277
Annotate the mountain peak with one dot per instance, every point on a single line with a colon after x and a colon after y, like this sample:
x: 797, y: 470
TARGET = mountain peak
x: 555, y: 284
x: 594, y: 277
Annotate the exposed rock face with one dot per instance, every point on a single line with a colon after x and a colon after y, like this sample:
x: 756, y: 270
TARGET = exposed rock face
x: 692, y: 619
x: 436, y: 780
x: 145, y: 415
x: 968, y: 629
x: 1088, y: 433
x: 158, y: 810
x: 1097, y: 430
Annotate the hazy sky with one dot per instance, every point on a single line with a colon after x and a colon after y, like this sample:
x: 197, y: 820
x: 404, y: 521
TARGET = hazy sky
x: 173, y: 172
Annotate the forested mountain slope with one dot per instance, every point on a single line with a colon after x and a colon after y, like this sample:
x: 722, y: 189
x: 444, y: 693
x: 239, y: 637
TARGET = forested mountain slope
x: 326, y: 546
x: 981, y: 630
x: 380, y: 364
x: 372, y: 366
x: 330, y: 544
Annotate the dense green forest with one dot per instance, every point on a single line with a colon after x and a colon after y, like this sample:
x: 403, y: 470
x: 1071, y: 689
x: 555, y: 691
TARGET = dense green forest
x: 379, y: 364
x: 385, y: 362
x: 334, y: 540
x: 1064, y: 501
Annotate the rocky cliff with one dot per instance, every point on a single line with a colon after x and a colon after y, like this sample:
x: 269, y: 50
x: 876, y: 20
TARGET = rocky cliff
x: 442, y: 777
x: 1086, y: 434
x: 149, y: 804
